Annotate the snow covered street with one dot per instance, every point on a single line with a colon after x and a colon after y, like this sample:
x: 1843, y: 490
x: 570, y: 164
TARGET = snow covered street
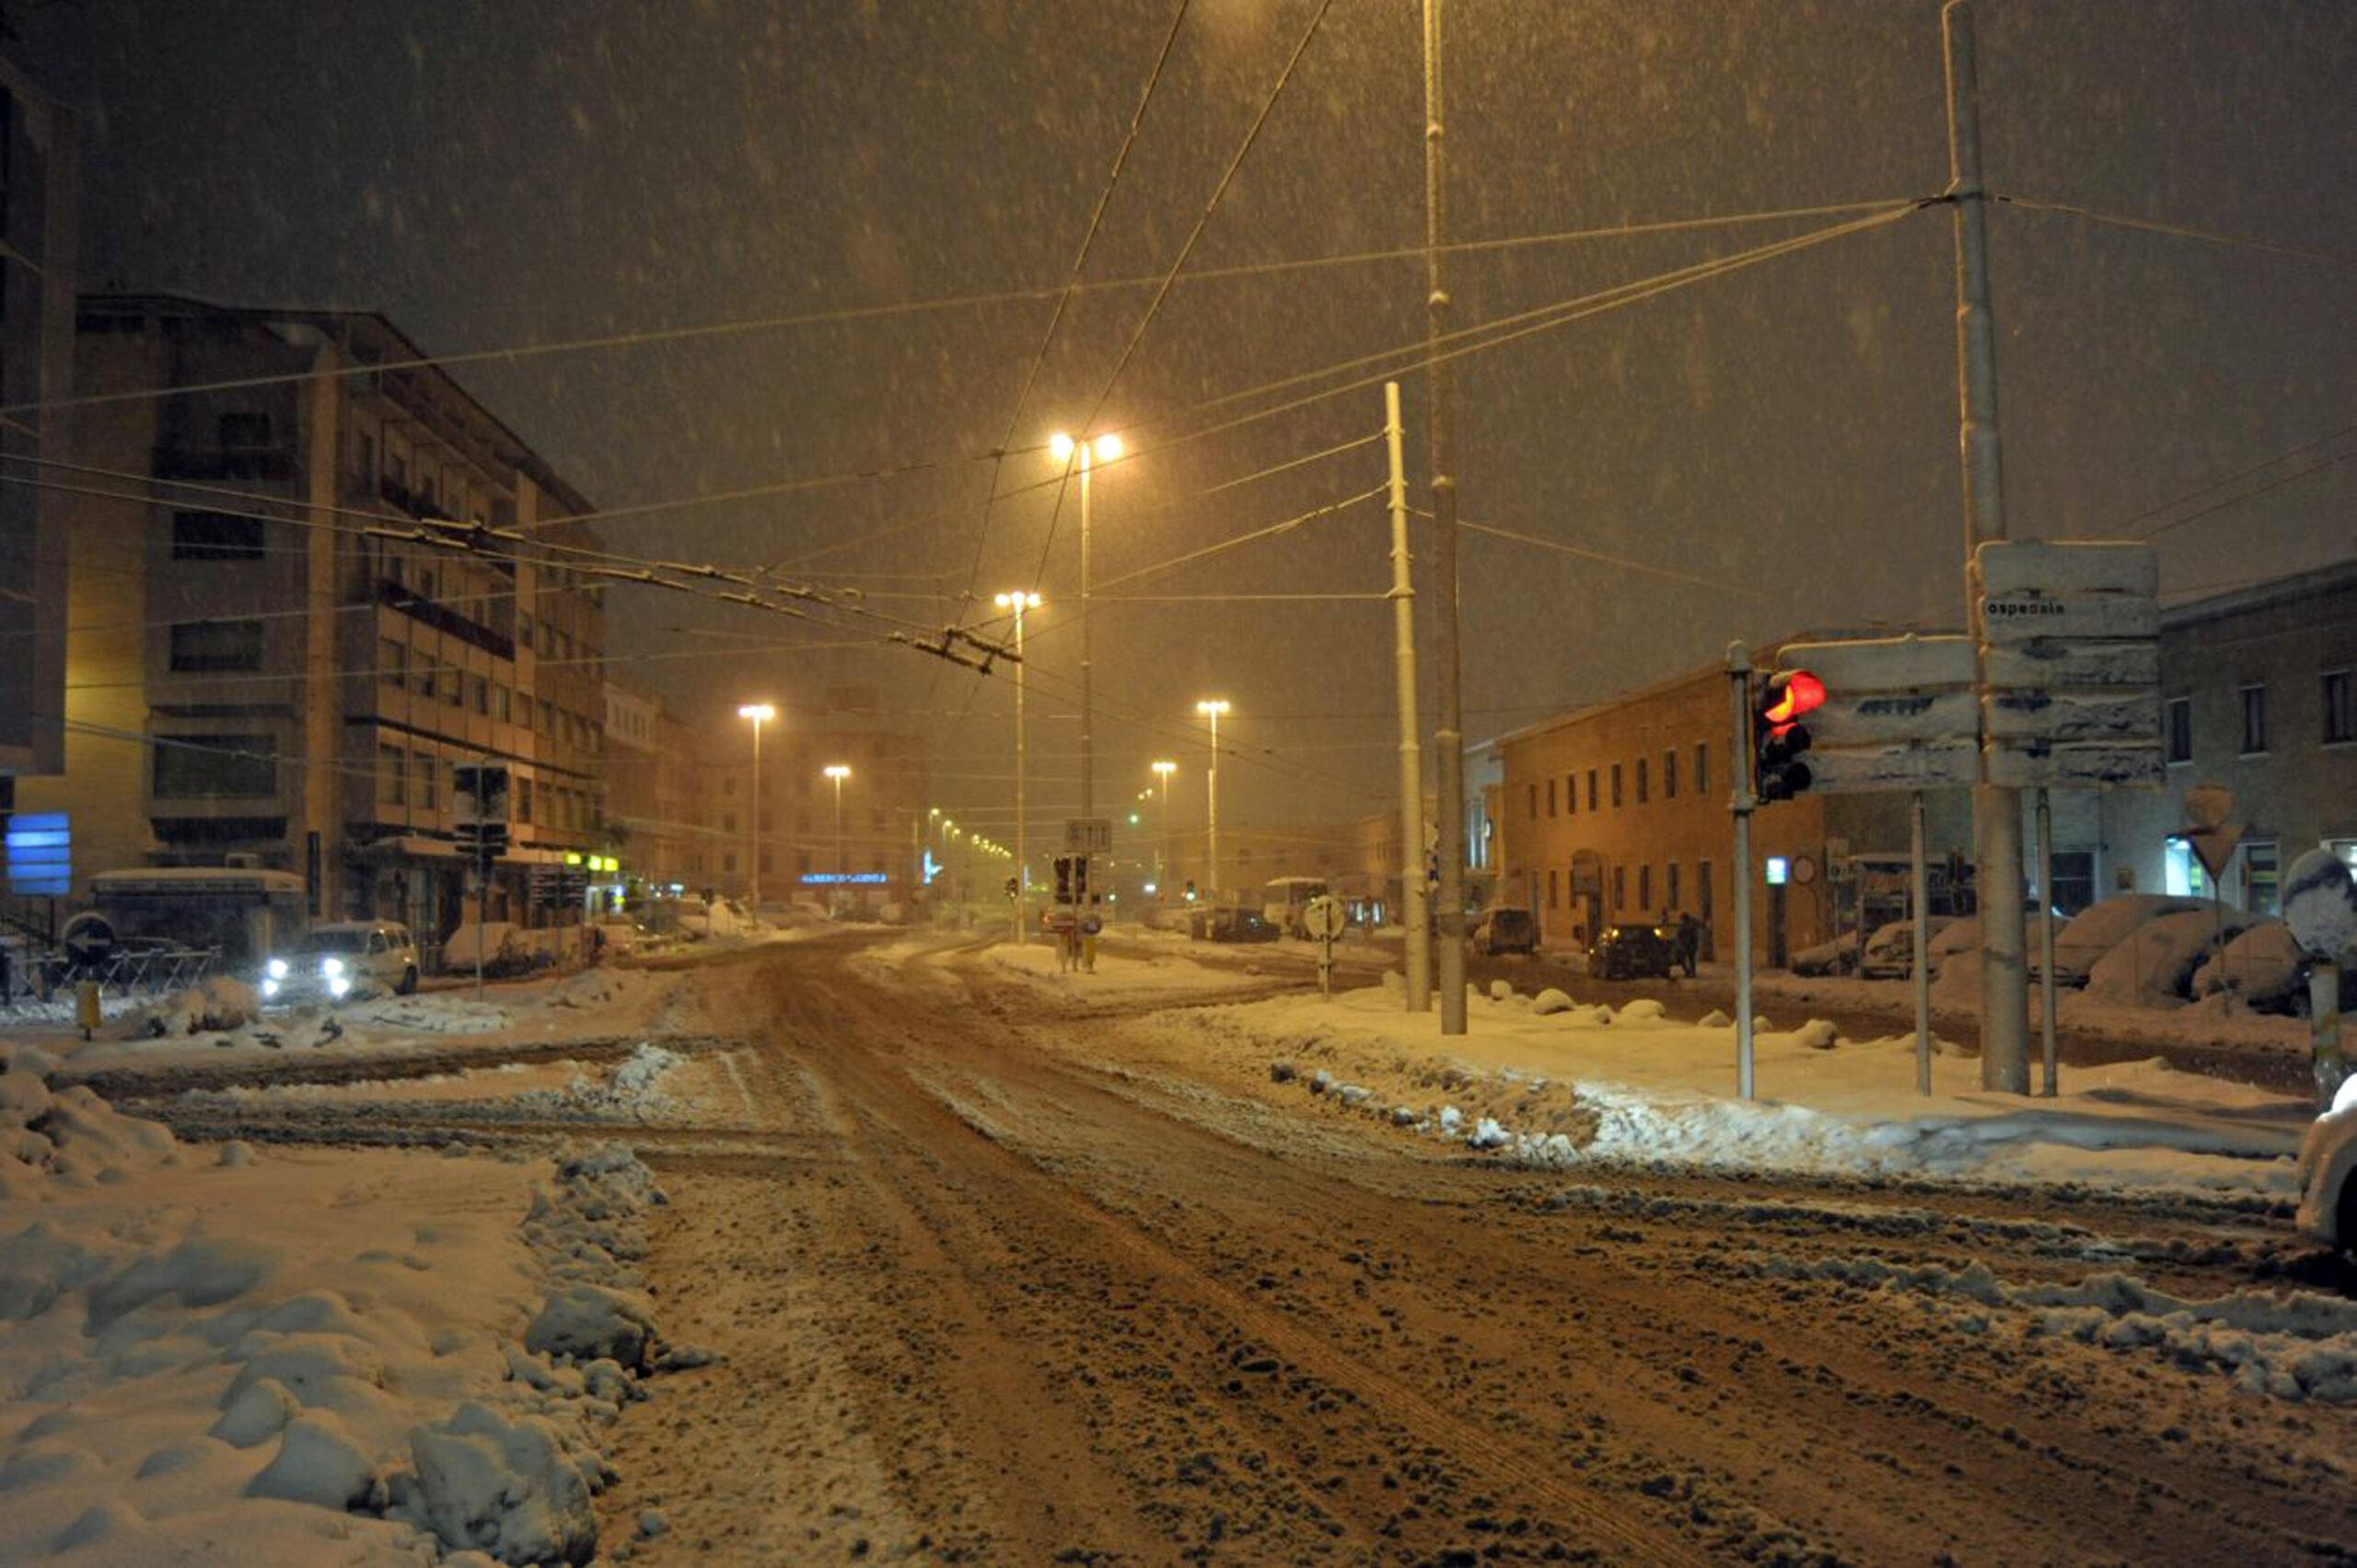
x: 993, y: 1264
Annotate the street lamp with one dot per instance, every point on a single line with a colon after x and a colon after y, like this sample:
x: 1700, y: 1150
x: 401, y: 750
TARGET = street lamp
x: 1020, y: 603
x: 1162, y: 772
x: 839, y: 772
x: 761, y: 713
x: 1210, y: 709
x: 1104, y: 449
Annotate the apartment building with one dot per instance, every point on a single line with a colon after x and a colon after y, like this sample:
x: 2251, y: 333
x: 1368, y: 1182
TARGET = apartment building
x: 39, y: 202
x: 655, y: 803
x: 265, y: 666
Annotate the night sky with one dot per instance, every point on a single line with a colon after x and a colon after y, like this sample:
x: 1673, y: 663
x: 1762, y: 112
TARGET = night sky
x: 501, y: 174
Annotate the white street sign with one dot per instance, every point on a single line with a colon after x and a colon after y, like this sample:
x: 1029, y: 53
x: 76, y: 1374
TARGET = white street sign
x: 1088, y: 835
x: 1937, y: 765
x: 2070, y: 637
x: 1324, y: 917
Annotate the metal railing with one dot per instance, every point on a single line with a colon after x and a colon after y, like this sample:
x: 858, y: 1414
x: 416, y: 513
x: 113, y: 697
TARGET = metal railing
x: 154, y: 971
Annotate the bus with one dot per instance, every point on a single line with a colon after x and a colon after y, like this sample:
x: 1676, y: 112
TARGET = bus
x: 1283, y: 900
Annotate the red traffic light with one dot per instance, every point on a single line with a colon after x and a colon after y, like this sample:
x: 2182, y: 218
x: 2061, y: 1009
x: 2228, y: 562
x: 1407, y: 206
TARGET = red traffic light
x: 1791, y: 693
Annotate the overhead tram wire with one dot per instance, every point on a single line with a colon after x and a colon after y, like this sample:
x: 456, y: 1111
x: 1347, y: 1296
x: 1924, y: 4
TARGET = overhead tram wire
x: 2180, y: 231
x: 2253, y: 494
x: 839, y: 316
x: 1064, y: 296
x: 1186, y: 249
x: 1625, y: 563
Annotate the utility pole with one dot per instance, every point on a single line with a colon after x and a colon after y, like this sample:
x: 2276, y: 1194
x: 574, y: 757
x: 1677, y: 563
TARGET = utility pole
x: 1212, y: 709
x: 1020, y: 602
x: 1448, y: 733
x: 1414, y: 911
x: 1996, y: 809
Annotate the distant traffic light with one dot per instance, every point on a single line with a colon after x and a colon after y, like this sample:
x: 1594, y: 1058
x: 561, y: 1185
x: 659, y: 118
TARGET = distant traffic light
x: 1778, y: 737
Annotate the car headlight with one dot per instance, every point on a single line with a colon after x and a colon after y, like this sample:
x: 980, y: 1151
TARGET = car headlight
x: 277, y: 968
x: 338, y: 985
x: 269, y: 989
x: 331, y: 967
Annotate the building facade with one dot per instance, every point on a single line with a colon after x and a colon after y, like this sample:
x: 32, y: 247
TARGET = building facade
x: 807, y: 832
x: 39, y: 201
x: 265, y: 669
x: 2257, y: 697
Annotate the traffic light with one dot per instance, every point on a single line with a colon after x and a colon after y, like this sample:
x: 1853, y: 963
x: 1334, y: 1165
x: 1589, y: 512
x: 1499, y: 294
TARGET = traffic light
x: 1071, y: 879
x: 1778, y: 737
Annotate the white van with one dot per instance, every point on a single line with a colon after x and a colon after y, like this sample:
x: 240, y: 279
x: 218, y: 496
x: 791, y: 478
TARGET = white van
x: 346, y: 958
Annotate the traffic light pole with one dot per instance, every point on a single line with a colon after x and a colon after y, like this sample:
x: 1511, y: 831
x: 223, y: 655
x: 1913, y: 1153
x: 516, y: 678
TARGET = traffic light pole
x: 1741, y: 803
x: 1996, y: 809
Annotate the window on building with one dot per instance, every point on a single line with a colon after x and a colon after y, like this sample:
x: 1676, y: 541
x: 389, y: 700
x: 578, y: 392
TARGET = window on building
x: 2262, y: 877
x: 523, y: 798
x: 1620, y: 888
x: 523, y: 629
x: 802, y: 862
x: 2254, y: 720
x: 198, y: 646
x: 1702, y: 766
x: 1702, y: 892
x: 422, y: 679
x: 1554, y: 885
x: 428, y: 769
x: 502, y: 702
x: 244, y: 430
x: 547, y: 716
x: 1571, y: 795
x: 2339, y: 711
x: 480, y: 686
x: 1534, y: 803
x: 1645, y: 888
x: 2075, y: 880
x: 1551, y: 797
x: 1591, y: 789
x: 728, y: 821
x: 1616, y: 786
x: 728, y: 862
x: 1643, y: 769
x: 392, y: 661
x: 1669, y: 776
x: 1670, y: 900
x: 216, y: 536
x: 393, y: 780
x: 197, y: 767
x: 2177, y: 728
x: 453, y: 687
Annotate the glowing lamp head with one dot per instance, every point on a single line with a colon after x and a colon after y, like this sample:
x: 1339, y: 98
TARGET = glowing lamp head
x: 759, y: 713
x: 1060, y: 446
x: 837, y: 771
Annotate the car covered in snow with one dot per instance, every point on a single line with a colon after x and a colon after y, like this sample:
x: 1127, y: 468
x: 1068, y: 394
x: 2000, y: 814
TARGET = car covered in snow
x: 343, y: 959
x: 1505, y: 928
x: 2082, y: 940
x: 2328, y: 1173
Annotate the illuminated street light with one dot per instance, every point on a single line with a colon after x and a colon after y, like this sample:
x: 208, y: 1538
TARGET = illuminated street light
x: 761, y: 713
x: 1103, y: 448
x: 1162, y: 772
x: 839, y: 772
x: 1211, y: 708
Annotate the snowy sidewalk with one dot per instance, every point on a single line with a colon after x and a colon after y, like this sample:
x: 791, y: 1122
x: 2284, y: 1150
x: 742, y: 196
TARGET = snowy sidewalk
x: 1550, y: 1081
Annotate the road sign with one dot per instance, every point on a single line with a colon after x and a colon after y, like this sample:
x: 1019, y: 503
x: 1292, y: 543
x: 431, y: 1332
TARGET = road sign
x: 2071, y: 634
x: 1324, y: 917
x: 1088, y: 835
x: 1898, y: 713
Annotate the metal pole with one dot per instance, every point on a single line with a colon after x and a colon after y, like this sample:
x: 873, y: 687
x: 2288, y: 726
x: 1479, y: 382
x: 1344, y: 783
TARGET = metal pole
x: 1087, y: 744
x: 1741, y: 803
x: 757, y: 818
x: 1448, y: 732
x: 2323, y: 1030
x: 1211, y: 793
x: 2048, y: 1085
x: 1919, y: 893
x: 1414, y: 911
x: 482, y: 914
x: 1996, y: 809
x: 1021, y: 803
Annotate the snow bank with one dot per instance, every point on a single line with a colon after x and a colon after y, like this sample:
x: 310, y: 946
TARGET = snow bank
x: 349, y: 1357
x: 214, y: 1007
x: 1585, y: 1084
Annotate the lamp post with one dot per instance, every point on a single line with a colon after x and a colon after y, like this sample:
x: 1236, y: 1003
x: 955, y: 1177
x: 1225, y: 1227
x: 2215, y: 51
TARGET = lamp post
x: 1105, y: 449
x: 761, y: 713
x: 1019, y: 603
x: 839, y: 772
x: 1162, y: 772
x: 1210, y: 709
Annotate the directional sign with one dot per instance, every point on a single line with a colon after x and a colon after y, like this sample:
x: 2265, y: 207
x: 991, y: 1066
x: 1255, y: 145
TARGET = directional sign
x: 1088, y: 835
x: 1898, y: 713
x: 1323, y: 917
x: 2070, y: 641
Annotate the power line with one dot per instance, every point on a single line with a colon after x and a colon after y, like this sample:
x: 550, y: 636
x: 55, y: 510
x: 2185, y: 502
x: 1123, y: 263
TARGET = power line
x: 2181, y: 231
x: 1328, y: 510
x: 1071, y: 283
x: 1596, y: 555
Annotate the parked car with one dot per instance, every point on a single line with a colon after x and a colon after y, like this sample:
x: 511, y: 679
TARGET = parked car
x: 1890, y: 950
x: 1630, y: 951
x: 1839, y: 956
x: 2328, y: 1172
x: 342, y: 959
x: 1241, y: 925
x: 2102, y: 926
x: 1505, y: 929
